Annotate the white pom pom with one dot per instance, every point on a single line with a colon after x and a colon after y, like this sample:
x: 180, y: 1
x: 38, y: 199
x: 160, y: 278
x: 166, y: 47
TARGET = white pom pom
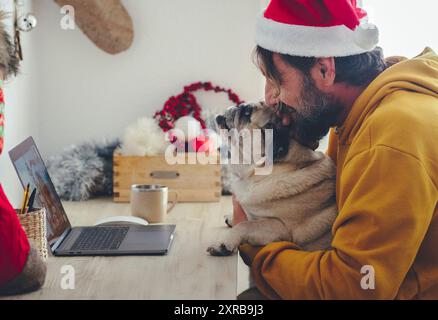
x: 189, y: 126
x: 366, y: 36
x: 144, y: 138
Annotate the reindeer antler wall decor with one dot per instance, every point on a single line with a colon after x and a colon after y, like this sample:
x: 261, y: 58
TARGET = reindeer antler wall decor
x: 105, y: 22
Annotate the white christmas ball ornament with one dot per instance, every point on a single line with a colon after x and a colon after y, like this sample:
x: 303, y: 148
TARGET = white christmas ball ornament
x: 26, y: 22
x: 215, y: 139
x: 189, y: 126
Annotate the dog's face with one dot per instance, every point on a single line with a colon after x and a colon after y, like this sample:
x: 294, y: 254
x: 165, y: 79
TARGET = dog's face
x: 285, y: 145
x: 253, y: 116
x: 245, y: 116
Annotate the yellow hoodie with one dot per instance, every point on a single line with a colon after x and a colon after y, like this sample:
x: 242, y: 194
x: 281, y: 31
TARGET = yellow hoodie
x: 387, y: 178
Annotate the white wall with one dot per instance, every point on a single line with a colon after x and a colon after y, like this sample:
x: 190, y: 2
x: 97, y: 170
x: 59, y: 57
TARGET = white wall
x: 69, y: 91
x: 406, y: 27
x: 21, y: 116
x: 86, y: 94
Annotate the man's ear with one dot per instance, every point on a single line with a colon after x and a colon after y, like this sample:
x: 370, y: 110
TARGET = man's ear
x: 324, y: 73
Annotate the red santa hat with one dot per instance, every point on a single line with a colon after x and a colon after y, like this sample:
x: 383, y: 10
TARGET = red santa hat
x: 316, y: 28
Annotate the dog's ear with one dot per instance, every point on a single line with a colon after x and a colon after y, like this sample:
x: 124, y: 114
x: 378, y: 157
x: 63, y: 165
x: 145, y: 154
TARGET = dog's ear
x: 221, y: 121
x: 311, y: 144
x: 281, y: 143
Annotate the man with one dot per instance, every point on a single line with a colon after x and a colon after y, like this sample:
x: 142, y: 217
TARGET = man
x: 321, y: 64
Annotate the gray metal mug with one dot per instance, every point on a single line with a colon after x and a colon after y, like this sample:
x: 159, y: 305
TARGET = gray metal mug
x: 150, y: 202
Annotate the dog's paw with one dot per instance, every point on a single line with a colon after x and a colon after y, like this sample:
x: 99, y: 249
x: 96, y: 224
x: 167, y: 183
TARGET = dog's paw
x: 219, y: 251
x: 225, y: 244
x: 223, y: 248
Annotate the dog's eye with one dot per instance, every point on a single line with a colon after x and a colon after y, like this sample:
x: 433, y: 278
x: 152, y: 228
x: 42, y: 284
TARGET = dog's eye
x: 245, y: 112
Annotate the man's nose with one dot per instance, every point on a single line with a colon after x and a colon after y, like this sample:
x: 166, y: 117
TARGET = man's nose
x: 272, y: 98
x: 272, y: 101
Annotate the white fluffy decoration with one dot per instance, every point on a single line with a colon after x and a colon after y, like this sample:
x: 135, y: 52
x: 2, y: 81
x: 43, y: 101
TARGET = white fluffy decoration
x: 365, y: 36
x: 144, y: 138
x: 184, y: 123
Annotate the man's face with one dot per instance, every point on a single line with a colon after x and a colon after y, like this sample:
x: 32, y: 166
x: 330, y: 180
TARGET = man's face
x: 298, y: 99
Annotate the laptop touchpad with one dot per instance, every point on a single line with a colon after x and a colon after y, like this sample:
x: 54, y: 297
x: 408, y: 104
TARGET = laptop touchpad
x: 143, y: 239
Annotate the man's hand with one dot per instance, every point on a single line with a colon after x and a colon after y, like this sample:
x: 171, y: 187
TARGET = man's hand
x: 247, y: 252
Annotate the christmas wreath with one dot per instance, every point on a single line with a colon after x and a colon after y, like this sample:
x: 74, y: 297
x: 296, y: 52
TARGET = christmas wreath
x: 185, y: 104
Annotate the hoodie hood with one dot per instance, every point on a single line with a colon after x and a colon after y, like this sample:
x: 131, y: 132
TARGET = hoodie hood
x: 419, y: 74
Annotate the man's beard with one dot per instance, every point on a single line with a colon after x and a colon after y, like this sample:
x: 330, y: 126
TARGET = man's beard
x: 316, y: 114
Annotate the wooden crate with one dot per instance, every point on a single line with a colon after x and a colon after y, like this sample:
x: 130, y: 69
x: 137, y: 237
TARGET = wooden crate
x: 193, y: 182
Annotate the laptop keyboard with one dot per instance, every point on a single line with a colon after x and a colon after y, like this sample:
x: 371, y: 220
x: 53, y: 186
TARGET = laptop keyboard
x: 100, y: 239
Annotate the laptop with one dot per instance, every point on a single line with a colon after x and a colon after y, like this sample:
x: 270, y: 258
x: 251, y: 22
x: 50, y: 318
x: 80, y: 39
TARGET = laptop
x: 63, y: 239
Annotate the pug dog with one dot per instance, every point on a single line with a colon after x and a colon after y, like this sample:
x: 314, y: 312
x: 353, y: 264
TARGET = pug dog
x: 295, y: 202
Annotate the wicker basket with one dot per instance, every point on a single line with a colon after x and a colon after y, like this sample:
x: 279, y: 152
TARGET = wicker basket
x: 34, y: 224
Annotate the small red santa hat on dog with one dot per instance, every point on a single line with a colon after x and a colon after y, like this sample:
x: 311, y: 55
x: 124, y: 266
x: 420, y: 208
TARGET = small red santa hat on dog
x: 316, y: 28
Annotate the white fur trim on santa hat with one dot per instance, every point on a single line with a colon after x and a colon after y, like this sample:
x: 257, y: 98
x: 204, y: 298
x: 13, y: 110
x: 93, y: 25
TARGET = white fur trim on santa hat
x: 305, y: 41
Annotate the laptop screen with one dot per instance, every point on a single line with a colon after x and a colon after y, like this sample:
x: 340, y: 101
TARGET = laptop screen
x: 31, y: 170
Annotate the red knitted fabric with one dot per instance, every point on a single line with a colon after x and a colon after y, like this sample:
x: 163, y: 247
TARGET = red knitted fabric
x: 14, y: 245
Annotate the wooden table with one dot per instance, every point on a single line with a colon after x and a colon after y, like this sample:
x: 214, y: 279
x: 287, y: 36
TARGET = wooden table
x: 187, y: 272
